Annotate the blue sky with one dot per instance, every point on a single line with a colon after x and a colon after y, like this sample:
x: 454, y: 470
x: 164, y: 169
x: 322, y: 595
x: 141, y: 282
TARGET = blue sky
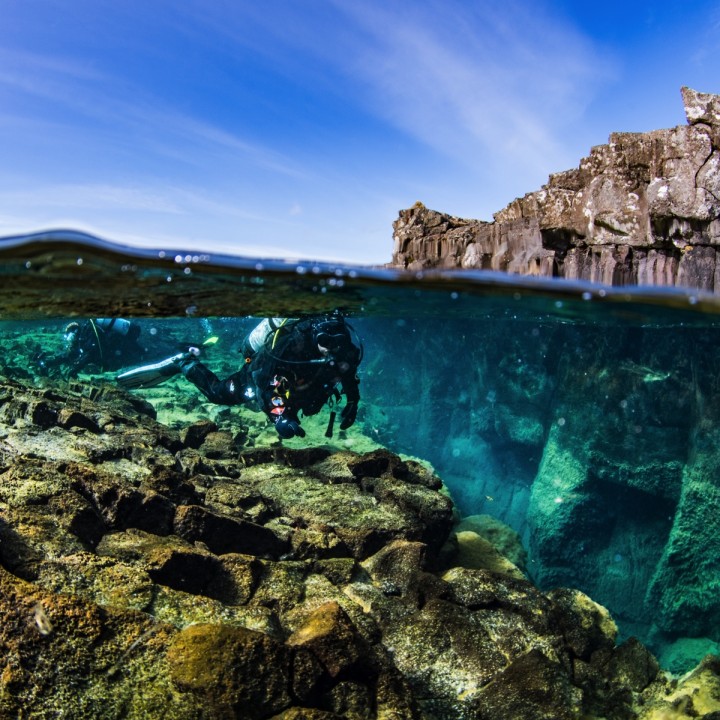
x: 299, y: 128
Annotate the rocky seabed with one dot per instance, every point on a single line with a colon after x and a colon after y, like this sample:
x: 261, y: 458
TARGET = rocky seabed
x: 157, y: 571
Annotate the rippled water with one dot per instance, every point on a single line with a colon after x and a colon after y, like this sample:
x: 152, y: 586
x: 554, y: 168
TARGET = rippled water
x: 582, y: 416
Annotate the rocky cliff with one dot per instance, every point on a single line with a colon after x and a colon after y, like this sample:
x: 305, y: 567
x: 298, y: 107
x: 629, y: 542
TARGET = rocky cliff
x: 643, y: 209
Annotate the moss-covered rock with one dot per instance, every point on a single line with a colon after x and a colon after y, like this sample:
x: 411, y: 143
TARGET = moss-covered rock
x: 231, y: 670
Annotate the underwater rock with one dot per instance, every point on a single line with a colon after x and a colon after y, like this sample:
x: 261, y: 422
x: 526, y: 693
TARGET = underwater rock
x: 696, y: 694
x: 221, y: 534
x: 643, y: 209
x: 194, y: 435
x: 484, y: 542
x: 329, y: 634
x: 618, y: 501
x: 140, y: 578
x: 477, y: 553
x: 235, y: 672
x: 684, y: 586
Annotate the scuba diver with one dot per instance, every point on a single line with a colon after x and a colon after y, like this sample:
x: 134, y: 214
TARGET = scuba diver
x: 291, y: 366
x: 102, y: 343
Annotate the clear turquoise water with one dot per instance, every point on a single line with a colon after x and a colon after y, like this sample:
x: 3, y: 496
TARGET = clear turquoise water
x: 583, y: 417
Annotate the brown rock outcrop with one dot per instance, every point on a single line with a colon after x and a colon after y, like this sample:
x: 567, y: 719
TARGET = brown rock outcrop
x: 643, y: 209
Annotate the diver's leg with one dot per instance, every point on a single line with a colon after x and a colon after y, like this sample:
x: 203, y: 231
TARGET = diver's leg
x: 222, y: 392
x: 155, y: 373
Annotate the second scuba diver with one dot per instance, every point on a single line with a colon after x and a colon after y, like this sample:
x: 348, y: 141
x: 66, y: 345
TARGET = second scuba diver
x: 292, y: 367
x: 99, y: 343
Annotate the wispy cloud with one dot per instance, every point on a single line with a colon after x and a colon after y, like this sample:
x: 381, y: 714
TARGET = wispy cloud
x: 472, y: 80
x: 173, y: 200
x: 96, y: 196
x: 477, y: 82
x: 127, y: 113
x: 200, y: 132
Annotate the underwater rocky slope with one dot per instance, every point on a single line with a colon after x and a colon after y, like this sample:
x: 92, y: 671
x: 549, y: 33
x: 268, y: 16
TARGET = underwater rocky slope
x: 185, y: 570
x: 643, y: 209
x: 597, y: 443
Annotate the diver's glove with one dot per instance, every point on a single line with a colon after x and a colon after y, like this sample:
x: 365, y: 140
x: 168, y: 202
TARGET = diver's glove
x: 348, y: 414
x: 288, y: 428
x: 187, y: 359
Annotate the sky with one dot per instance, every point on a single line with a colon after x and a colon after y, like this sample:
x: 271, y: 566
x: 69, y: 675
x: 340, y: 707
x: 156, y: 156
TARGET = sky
x: 300, y: 128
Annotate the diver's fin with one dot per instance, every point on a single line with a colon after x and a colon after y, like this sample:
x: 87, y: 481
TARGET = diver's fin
x: 205, y: 343
x: 151, y: 375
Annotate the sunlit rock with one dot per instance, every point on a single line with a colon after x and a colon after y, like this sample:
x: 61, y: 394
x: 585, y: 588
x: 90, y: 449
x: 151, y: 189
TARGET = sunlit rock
x: 643, y: 209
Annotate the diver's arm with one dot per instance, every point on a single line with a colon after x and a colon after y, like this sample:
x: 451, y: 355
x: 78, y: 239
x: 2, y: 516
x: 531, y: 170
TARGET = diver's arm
x: 78, y: 361
x: 274, y: 402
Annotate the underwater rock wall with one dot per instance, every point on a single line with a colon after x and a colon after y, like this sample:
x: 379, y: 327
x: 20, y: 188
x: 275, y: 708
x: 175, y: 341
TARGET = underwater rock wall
x: 643, y: 209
